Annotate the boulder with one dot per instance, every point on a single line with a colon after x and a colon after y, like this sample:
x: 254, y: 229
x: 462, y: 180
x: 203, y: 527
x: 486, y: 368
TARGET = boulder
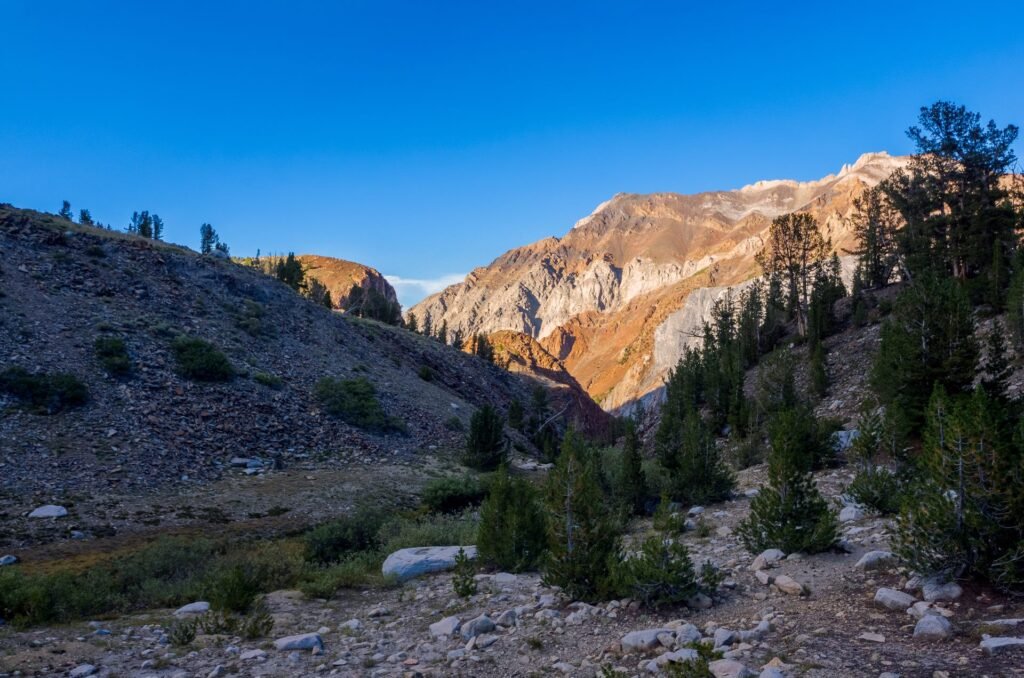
x: 933, y: 627
x: 788, y: 585
x: 8, y: 560
x: 842, y: 440
x: 351, y: 626
x: 446, y: 627
x: 996, y: 645
x: 724, y: 637
x: 642, y: 641
x: 409, y: 563
x: 475, y: 627
x: 50, y: 511
x: 199, y: 607
x: 772, y: 672
x: 767, y: 558
x: 687, y: 633
x: 302, y: 641
x: 891, y: 599
x: 82, y: 670
x: 876, y: 560
x: 730, y: 668
x: 252, y: 654
x: 699, y: 601
x: 921, y: 609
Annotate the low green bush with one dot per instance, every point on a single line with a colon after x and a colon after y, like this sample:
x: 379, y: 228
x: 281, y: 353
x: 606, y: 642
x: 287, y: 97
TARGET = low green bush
x: 358, y: 570
x: 200, y: 360
x: 449, y: 530
x: 453, y: 494
x: 660, y: 574
x: 113, y: 355
x: 333, y: 541
x: 43, y: 393
x: 355, y: 402
x: 877, y: 488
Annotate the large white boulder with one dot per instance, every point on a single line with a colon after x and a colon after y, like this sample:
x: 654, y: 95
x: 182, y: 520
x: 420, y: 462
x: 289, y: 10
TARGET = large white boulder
x: 302, y: 641
x: 891, y: 599
x: 409, y: 563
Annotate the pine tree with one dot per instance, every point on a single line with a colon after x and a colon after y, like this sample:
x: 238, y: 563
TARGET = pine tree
x: 289, y: 271
x: 512, y: 534
x: 483, y: 349
x: 442, y: 334
x: 819, y: 376
x: 789, y: 513
x: 582, y: 537
x: 795, y: 251
x: 65, y: 211
x: 485, y: 445
x: 875, y: 224
x: 515, y: 415
x: 697, y: 474
x: 964, y: 517
x: 411, y: 323
x: 85, y: 218
x: 632, y: 485
x: 207, y: 239
x: 928, y: 339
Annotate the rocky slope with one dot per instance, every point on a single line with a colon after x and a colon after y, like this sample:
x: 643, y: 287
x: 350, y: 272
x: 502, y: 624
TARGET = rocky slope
x: 598, y: 297
x: 521, y: 354
x: 154, y: 433
x: 338, y: 276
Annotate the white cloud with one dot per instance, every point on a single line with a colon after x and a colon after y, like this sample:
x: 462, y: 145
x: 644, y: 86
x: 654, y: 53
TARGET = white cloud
x: 410, y: 291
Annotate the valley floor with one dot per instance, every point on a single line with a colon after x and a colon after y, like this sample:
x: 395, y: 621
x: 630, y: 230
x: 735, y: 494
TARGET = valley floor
x: 833, y: 630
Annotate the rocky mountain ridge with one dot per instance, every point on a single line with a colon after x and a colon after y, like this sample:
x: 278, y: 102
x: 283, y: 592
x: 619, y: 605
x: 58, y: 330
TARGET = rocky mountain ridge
x: 597, y: 297
x: 339, y: 275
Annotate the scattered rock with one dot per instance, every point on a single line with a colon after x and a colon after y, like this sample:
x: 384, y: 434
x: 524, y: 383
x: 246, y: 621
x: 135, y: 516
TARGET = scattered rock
x: 891, y: 599
x: 788, y: 585
x: 302, y: 641
x: 507, y: 618
x: 252, y: 654
x: 82, y: 669
x: 730, y: 668
x: 876, y: 560
x: 642, y: 641
x: 8, y: 560
x: 933, y: 627
x: 475, y: 627
x: 933, y: 591
x: 408, y: 563
x: 851, y: 514
x: 446, y: 627
x: 767, y: 558
x: 872, y: 637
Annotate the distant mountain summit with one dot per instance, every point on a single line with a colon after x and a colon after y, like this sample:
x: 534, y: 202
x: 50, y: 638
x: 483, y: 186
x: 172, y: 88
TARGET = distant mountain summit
x: 339, y: 275
x: 596, y: 297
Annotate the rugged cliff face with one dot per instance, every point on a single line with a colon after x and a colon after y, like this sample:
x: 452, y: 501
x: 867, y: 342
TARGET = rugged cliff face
x: 339, y: 276
x: 598, y: 297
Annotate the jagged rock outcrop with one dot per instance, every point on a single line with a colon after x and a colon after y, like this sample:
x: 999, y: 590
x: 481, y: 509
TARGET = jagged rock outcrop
x: 339, y: 275
x: 599, y: 298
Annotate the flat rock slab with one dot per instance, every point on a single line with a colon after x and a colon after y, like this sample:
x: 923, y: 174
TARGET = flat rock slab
x: 992, y: 646
x: 302, y: 641
x: 199, y: 607
x: 49, y: 511
x: 409, y: 563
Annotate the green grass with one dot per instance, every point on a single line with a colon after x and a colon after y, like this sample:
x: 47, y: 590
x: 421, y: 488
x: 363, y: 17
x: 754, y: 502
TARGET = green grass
x: 269, y: 380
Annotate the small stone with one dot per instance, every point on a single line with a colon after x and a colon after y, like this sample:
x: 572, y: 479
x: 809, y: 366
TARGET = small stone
x: 351, y: 626
x: 8, y: 560
x: 730, y: 668
x: 767, y: 558
x: 642, y: 641
x: 851, y: 514
x: 252, y: 654
x: 446, y: 627
x: 699, y: 601
x: 217, y: 672
x: 876, y: 560
x: 933, y: 627
x: 891, y: 599
x: 872, y: 637
x: 475, y: 627
x: 82, y: 670
x: 933, y: 592
x: 763, y: 577
x: 507, y: 618
x: 788, y: 585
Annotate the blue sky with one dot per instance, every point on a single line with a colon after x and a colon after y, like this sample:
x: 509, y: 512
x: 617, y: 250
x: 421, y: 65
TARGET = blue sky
x: 425, y: 138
